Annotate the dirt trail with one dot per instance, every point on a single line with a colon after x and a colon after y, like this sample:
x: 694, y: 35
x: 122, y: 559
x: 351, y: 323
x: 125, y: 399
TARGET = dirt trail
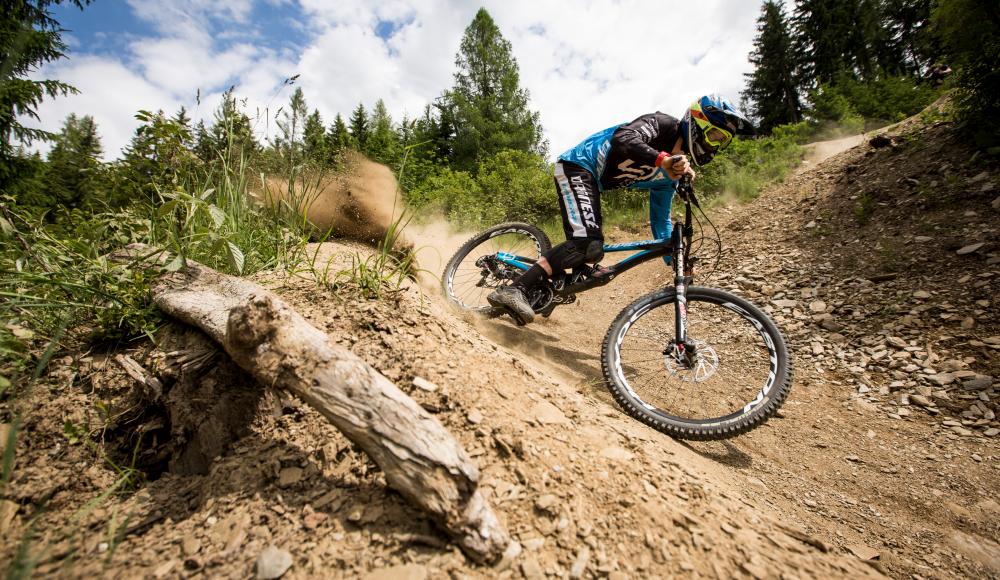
x: 857, y: 456
x: 822, y: 150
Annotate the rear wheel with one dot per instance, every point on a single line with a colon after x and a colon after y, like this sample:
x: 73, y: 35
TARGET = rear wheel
x: 731, y: 375
x: 474, y: 271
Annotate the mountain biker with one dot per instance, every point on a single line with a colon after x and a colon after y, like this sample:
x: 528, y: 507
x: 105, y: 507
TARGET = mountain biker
x: 650, y: 153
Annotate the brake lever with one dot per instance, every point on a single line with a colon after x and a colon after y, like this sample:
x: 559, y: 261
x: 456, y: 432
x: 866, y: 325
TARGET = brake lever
x: 684, y: 188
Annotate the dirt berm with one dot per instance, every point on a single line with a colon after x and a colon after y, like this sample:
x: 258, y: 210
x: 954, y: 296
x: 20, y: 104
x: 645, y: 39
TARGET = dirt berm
x: 884, y: 460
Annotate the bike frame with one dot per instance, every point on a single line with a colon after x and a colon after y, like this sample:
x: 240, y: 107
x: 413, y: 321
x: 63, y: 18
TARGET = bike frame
x: 675, y: 250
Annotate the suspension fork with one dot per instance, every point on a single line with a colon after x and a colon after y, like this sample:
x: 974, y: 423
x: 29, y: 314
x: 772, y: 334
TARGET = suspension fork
x: 680, y: 288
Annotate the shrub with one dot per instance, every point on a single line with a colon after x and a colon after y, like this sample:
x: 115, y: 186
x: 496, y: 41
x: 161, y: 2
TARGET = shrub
x: 519, y: 186
x: 848, y: 102
x: 748, y: 164
x: 511, y: 185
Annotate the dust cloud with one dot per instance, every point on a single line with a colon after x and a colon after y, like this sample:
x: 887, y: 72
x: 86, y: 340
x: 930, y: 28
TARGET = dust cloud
x: 360, y: 203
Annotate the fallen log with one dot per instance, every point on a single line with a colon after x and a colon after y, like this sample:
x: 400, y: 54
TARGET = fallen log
x: 268, y: 339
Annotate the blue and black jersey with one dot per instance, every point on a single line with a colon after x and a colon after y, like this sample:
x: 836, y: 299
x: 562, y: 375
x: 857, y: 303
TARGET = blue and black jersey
x: 626, y: 155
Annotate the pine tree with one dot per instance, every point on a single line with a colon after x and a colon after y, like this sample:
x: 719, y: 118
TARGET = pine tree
x: 289, y: 143
x: 359, y: 126
x: 381, y: 143
x: 155, y: 159
x: 489, y: 107
x: 338, y: 139
x: 909, y: 24
x: 231, y: 135
x: 314, y: 138
x: 29, y: 38
x: 772, y: 87
x: 74, y: 163
x: 204, y: 145
x: 819, y: 35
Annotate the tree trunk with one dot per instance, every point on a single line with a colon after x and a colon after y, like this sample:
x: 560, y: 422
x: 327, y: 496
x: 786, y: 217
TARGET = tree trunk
x: 420, y: 458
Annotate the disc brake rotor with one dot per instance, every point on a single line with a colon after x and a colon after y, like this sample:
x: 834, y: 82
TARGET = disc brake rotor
x: 693, y: 367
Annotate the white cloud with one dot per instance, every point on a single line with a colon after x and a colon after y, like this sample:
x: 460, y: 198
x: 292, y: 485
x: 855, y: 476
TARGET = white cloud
x: 104, y: 84
x: 587, y: 65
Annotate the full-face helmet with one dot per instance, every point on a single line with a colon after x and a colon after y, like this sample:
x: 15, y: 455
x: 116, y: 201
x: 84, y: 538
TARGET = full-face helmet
x: 709, y: 125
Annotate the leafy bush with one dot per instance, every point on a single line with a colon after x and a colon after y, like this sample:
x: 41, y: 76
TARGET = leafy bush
x: 848, y: 102
x: 518, y: 185
x: 748, y: 164
x: 511, y: 185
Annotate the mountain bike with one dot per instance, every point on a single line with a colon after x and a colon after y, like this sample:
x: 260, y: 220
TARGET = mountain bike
x: 693, y: 362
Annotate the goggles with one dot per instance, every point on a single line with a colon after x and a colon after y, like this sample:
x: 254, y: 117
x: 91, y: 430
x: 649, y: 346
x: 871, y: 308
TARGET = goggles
x: 717, y: 138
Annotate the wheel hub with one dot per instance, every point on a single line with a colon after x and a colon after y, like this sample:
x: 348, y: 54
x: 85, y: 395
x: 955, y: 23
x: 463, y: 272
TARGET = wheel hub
x: 692, y: 361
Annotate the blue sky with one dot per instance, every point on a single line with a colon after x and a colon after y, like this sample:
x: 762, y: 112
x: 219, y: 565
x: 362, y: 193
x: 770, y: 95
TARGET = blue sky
x: 587, y: 64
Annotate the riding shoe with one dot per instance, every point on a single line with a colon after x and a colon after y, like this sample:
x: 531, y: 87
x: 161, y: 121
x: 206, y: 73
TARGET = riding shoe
x: 512, y: 298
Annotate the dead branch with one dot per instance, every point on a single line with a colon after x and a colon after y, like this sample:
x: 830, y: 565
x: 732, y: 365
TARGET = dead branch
x: 420, y: 458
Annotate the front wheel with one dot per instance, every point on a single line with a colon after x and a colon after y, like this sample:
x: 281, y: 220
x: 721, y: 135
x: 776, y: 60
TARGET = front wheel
x: 731, y: 375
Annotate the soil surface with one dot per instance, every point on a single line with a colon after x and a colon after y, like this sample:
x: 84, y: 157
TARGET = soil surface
x: 884, y: 460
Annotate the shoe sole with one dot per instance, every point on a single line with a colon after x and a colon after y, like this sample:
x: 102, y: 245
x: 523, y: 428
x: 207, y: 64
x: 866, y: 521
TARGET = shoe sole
x: 521, y: 321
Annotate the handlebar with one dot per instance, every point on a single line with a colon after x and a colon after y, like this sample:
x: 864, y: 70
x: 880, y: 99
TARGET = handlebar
x: 685, y: 189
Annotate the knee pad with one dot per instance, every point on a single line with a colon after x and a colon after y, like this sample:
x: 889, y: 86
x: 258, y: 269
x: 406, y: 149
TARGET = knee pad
x: 574, y: 252
x: 594, y: 252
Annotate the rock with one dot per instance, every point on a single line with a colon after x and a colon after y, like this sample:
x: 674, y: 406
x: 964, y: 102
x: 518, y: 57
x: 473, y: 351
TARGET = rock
x: 968, y: 323
x: 996, y: 203
x: 942, y: 379
x: 289, y: 476
x: 548, y: 414
x: 832, y: 325
x: 921, y: 401
x: 401, y: 572
x: 879, y: 141
x: 474, y: 417
x: 896, y: 342
x: 922, y: 294
x: 978, y: 383
x: 190, y: 545
x: 272, y: 563
x: 811, y: 224
x: 616, y: 453
x: 546, y: 502
x: 970, y: 248
x: 862, y: 551
x: 424, y: 385
x: 164, y: 568
x: 511, y: 554
x: 580, y: 564
x: 312, y: 520
x: 785, y: 303
x: 991, y: 432
x: 818, y: 306
x: 534, y: 544
x: 531, y: 569
x: 817, y: 348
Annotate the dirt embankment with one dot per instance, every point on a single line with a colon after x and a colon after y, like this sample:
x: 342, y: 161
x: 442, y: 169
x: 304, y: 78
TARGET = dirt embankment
x: 859, y: 476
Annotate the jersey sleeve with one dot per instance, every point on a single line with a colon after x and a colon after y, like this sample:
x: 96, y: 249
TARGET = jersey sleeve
x: 634, y: 138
